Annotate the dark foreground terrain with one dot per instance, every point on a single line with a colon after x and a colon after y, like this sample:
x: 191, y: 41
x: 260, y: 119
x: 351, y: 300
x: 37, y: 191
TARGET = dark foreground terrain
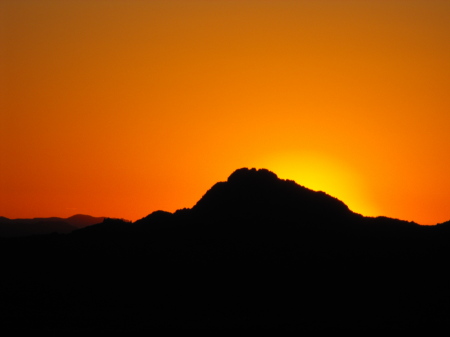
x: 255, y: 252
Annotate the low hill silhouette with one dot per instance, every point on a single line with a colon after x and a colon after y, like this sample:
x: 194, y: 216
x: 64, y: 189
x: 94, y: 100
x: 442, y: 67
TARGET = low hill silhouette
x: 255, y: 251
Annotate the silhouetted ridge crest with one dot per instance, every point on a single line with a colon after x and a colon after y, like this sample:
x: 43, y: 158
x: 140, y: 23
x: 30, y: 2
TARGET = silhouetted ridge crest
x: 261, y: 195
x: 245, y: 175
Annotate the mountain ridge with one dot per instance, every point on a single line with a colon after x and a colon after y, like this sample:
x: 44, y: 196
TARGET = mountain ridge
x: 258, y: 194
x: 42, y: 226
x: 245, y: 193
x: 254, y: 252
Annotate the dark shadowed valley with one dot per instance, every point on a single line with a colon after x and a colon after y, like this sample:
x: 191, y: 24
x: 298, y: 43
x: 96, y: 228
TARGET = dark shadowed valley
x: 254, y: 252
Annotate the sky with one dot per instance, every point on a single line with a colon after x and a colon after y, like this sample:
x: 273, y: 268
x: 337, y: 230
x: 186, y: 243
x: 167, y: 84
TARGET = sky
x: 121, y: 108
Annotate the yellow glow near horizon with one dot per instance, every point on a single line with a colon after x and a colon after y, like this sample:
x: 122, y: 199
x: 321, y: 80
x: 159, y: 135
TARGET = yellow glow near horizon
x: 324, y: 173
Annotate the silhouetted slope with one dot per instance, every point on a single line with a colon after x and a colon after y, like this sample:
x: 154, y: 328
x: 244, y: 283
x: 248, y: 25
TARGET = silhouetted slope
x: 254, y: 252
x: 444, y: 224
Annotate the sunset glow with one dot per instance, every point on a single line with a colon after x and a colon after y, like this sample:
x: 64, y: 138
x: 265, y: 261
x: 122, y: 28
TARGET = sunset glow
x: 326, y: 174
x: 120, y: 108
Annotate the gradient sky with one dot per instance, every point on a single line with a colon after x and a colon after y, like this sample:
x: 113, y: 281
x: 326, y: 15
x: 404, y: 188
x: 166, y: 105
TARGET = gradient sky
x: 120, y: 108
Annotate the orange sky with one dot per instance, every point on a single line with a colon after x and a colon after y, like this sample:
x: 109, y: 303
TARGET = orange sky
x: 120, y: 108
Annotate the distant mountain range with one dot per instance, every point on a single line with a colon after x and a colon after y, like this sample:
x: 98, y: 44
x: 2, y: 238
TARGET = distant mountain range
x: 39, y: 226
x: 255, y: 252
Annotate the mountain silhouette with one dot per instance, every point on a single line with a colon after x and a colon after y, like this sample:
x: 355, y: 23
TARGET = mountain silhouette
x: 259, y: 194
x: 256, y: 203
x: 40, y: 226
x: 254, y: 252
